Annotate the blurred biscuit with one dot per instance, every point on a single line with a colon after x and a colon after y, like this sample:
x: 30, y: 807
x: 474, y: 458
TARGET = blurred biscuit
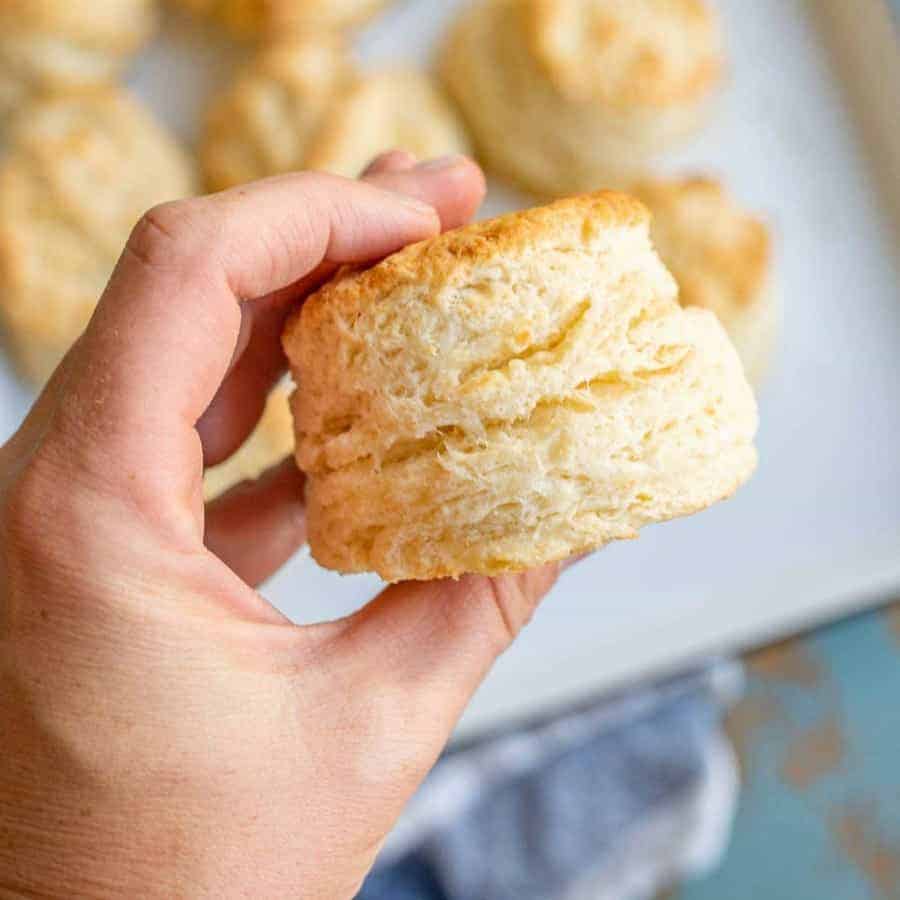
x: 53, y: 45
x: 270, y: 443
x: 272, y: 18
x: 509, y: 394
x: 264, y: 122
x: 300, y: 104
x: 396, y: 109
x: 81, y: 171
x: 720, y: 256
x: 570, y: 95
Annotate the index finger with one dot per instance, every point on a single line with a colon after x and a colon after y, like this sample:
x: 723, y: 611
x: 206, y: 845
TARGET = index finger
x: 165, y: 330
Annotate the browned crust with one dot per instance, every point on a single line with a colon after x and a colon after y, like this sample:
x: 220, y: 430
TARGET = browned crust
x: 440, y: 258
x: 648, y: 82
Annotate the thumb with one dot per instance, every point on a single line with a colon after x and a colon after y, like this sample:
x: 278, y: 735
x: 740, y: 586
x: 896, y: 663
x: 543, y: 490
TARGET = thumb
x: 421, y: 649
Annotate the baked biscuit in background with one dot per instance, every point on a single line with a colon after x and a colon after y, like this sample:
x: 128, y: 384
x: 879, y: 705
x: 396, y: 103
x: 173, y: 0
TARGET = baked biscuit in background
x: 301, y: 105
x: 721, y: 257
x: 512, y: 393
x: 81, y: 170
x: 54, y: 45
x: 272, y: 18
x: 270, y: 443
x: 378, y: 112
x: 569, y: 95
x: 264, y: 122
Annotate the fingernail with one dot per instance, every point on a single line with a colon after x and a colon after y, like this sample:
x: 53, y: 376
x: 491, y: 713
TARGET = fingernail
x: 442, y: 163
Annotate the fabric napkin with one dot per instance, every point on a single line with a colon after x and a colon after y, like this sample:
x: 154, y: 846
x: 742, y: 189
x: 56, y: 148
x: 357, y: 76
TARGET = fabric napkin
x: 613, y: 801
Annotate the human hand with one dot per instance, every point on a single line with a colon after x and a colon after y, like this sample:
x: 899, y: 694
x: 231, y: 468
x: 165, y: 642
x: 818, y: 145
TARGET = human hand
x: 165, y: 731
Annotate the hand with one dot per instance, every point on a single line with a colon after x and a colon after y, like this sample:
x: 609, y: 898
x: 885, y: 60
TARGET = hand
x: 165, y: 731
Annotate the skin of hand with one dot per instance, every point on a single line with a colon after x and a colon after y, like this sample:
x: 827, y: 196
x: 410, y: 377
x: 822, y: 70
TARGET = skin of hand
x: 165, y: 731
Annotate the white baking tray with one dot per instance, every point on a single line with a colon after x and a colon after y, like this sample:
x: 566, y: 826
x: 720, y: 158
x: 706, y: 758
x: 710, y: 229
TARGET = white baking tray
x: 817, y: 532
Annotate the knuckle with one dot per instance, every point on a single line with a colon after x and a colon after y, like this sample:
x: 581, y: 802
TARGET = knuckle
x: 28, y: 500
x: 507, y: 603
x: 487, y: 610
x: 506, y: 597
x: 164, y: 236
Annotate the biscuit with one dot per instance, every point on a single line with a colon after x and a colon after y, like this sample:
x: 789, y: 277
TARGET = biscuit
x: 509, y: 394
x: 262, y: 18
x: 263, y: 124
x: 394, y: 109
x: 720, y: 256
x: 271, y: 442
x: 300, y: 105
x: 81, y: 171
x: 563, y: 96
x: 53, y: 45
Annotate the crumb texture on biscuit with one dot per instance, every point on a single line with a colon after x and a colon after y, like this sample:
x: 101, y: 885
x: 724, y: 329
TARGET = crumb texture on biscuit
x: 81, y: 171
x: 510, y: 394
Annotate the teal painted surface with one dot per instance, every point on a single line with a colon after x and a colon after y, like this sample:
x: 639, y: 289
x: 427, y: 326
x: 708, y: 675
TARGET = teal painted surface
x: 826, y: 831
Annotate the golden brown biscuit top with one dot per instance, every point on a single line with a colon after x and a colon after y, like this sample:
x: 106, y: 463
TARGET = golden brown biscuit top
x: 651, y: 52
x: 450, y: 257
x: 719, y: 254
